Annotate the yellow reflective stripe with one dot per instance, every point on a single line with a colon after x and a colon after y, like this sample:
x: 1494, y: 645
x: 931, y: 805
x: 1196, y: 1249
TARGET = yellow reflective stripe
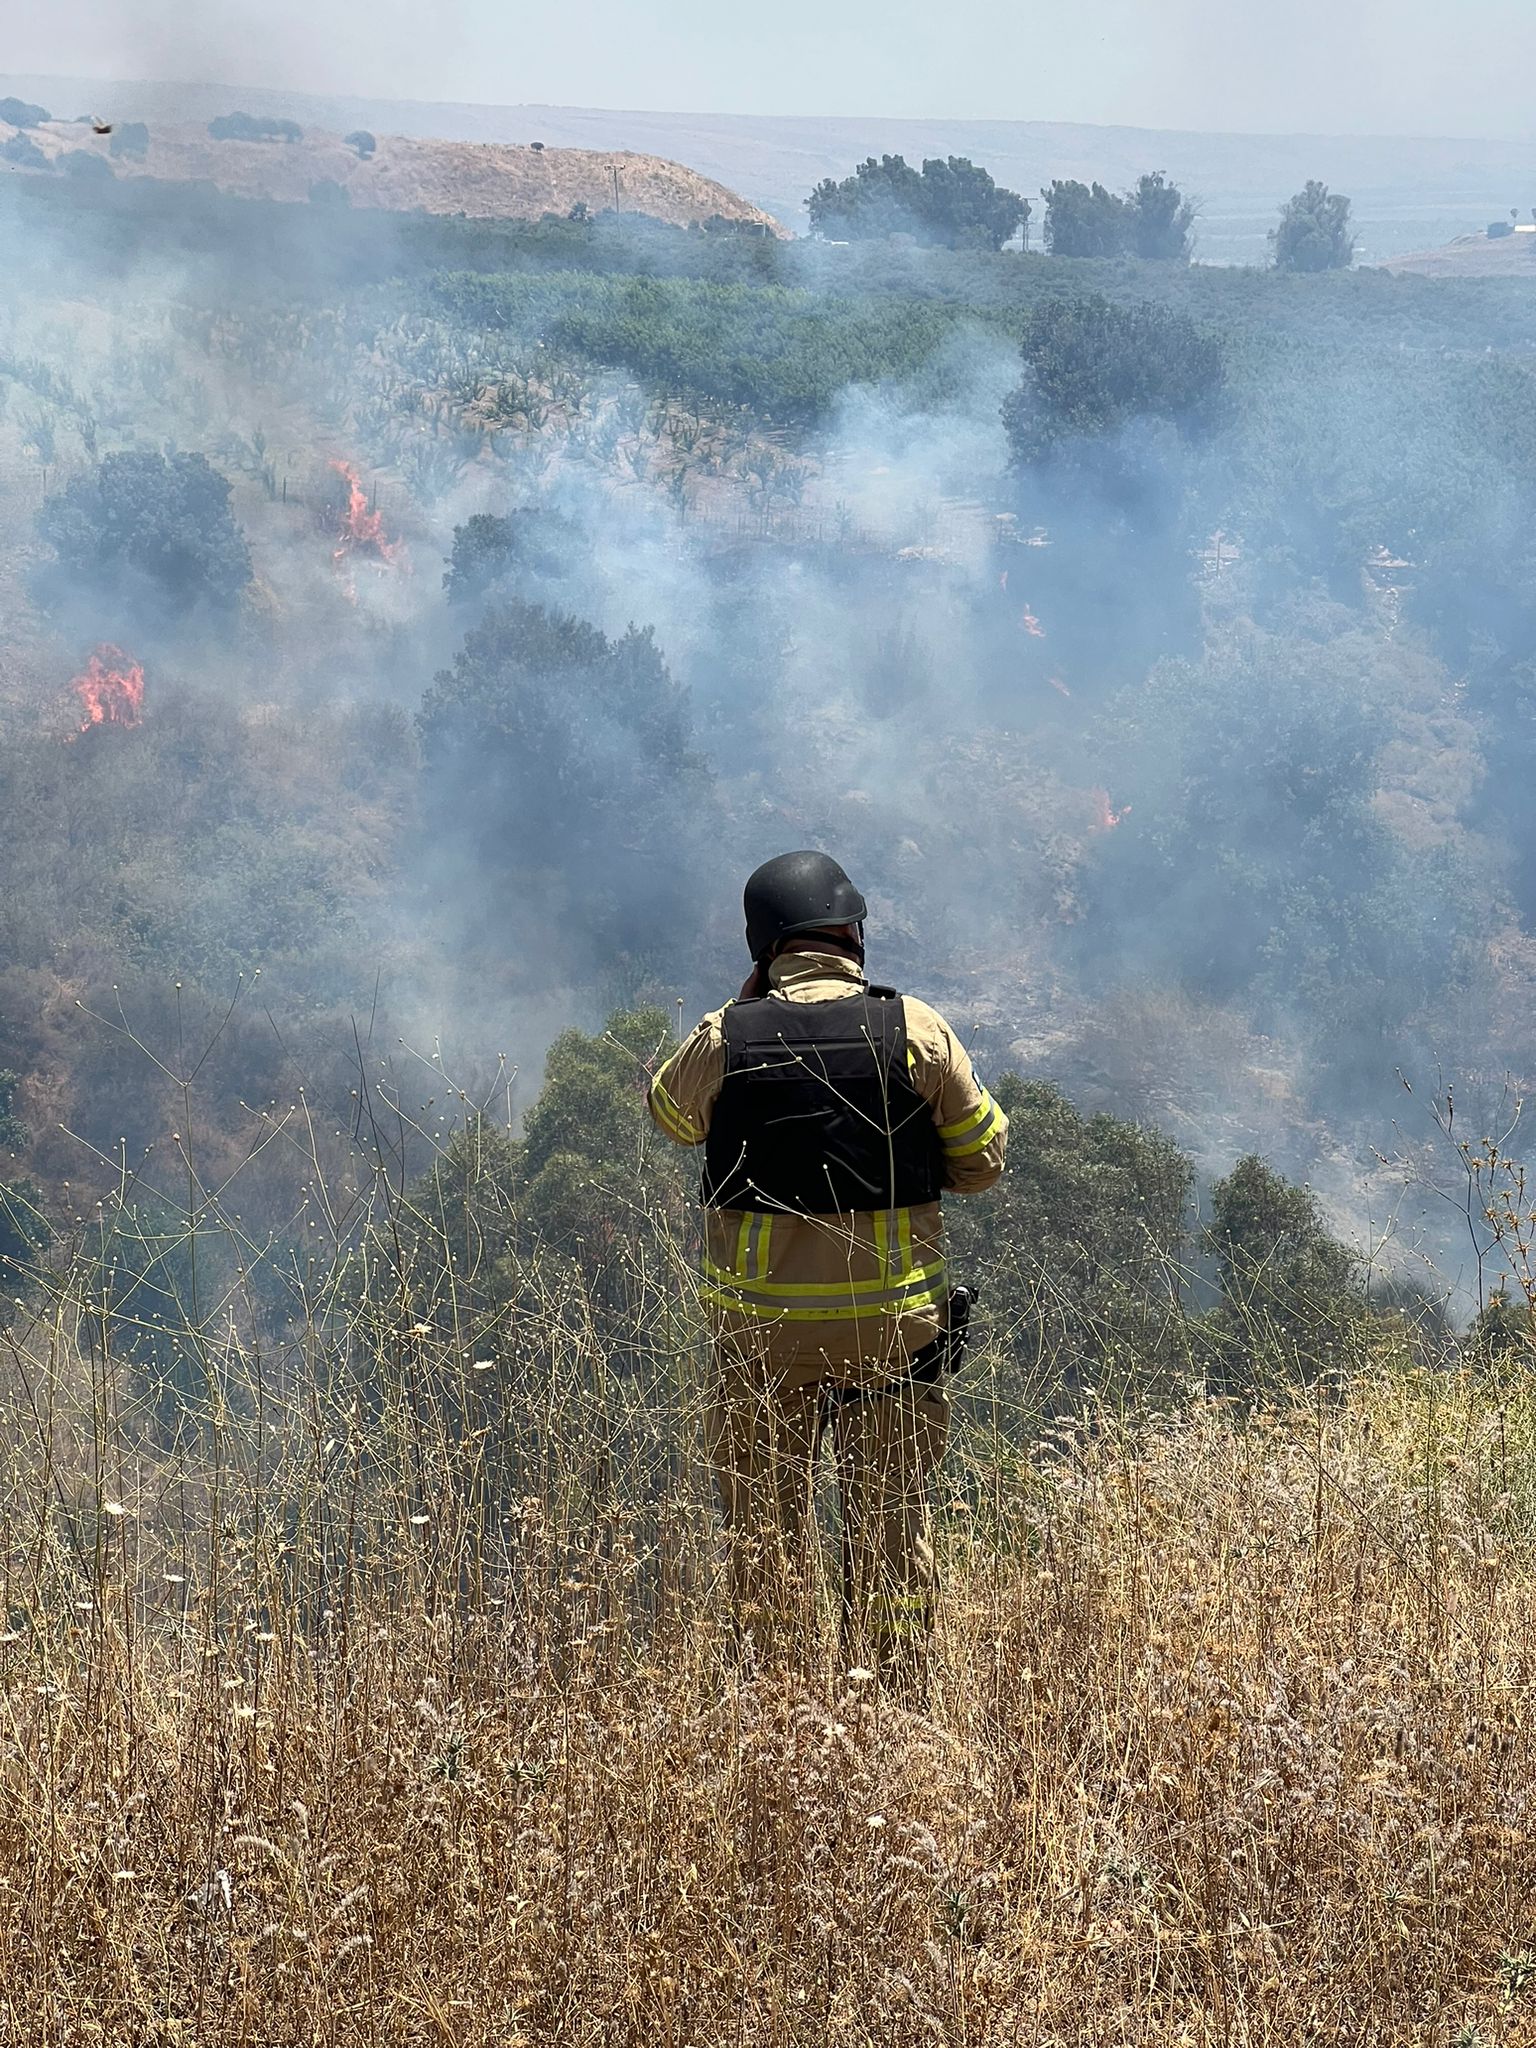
x: 752, y: 1241
x: 825, y: 1290
x: 893, y: 1242
x: 962, y: 1126
x: 681, y: 1126
x: 740, y: 1304
x: 898, y: 1614
x: 977, y: 1144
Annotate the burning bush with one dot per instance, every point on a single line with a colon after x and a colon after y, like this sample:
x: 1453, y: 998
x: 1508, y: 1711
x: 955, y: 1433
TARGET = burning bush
x: 110, y: 689
x: 349, y: 512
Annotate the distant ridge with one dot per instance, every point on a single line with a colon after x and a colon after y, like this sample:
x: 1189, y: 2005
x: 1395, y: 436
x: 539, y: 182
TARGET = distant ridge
x: 1409, y: 193
x: 398, y: 173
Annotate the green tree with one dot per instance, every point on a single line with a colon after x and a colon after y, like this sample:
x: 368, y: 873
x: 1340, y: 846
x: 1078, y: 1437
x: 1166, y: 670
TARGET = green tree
x: 147, y: 534
x: 1077, y: 1250
x: 130, y: 139
x: 362, y: 142
x: 586, y: 1134
x: 327, y: 192
x: 493, y: 548
x: 1161, y: 219
x: 562, y: 763
x: 951, y: 203
x: 1314, y: 231
x: 22, y: 113
x: 1093, y: 366
x: 964, y: 208
x: 497, y: 1222
x: 1282, y: 1271
x: 458, y: 1230
x: 1085, y: 220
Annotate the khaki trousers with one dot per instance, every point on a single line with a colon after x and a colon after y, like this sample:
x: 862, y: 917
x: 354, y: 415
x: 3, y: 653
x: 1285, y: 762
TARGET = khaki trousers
x: 766, y: 1428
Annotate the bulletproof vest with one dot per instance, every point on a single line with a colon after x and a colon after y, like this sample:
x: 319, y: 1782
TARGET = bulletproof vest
x: 816, y: 1112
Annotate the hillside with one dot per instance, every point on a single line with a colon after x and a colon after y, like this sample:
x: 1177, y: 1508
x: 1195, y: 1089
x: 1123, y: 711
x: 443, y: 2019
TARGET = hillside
x: 1474, y: 256
x: 413, y: 173
x: 1409, y: 193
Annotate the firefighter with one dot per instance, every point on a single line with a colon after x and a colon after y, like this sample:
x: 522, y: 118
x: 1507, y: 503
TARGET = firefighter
x: 832, y: 1116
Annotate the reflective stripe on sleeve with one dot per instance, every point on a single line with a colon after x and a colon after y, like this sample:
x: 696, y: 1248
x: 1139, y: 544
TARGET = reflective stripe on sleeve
x: 970, y: 1133
x: 673, y: 1120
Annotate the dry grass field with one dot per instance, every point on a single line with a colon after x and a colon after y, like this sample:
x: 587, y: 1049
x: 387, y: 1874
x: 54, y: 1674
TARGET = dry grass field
x: 386, y: 1697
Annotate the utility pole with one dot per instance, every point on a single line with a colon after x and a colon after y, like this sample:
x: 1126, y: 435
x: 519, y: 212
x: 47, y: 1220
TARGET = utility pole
x: 615, y: 171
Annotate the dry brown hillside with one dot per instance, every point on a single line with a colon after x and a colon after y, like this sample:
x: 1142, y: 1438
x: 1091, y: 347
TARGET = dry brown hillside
x: 485, y: 180
x: 1474, y: 256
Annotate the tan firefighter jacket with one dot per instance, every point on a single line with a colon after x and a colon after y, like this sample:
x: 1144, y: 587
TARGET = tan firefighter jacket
x: 859, y: 1290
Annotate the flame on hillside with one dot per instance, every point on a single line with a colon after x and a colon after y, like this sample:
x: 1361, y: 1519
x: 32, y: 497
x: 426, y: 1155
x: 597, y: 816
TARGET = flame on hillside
x: 1058, y: 686
x: 110, y: 689
x: 1031, y: 625
x: 362, y: 529
x: 1105, y: 816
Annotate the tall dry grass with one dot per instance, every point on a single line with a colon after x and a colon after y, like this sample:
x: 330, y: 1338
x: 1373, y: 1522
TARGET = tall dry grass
x: 389, y: 1699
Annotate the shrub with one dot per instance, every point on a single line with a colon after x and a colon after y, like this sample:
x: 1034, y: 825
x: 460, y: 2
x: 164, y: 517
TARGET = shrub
x: 22, y: 150
x: 22, y: 113
x: 239, y: 127
x: 85, y: 165
x: 149, y: 532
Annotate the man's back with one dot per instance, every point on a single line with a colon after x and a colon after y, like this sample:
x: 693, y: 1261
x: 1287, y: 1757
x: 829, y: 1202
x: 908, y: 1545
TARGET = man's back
x: 856, y: 1289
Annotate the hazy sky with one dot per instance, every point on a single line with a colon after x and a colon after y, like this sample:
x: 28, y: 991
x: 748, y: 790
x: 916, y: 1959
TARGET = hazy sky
x: 1432, y: 67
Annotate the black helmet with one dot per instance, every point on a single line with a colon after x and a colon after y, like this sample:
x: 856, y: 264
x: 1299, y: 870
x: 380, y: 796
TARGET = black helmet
x: 797, y: 892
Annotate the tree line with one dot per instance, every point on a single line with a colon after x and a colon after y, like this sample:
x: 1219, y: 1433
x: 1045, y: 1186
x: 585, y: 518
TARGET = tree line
x: 952, y: 203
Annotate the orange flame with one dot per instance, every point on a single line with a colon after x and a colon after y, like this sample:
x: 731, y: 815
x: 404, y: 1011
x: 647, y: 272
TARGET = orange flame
x: 1059, y: 686
x: 362, y: 531
x: 1032, y: 625
x: 1105, y: 816
x: 111, y: 689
